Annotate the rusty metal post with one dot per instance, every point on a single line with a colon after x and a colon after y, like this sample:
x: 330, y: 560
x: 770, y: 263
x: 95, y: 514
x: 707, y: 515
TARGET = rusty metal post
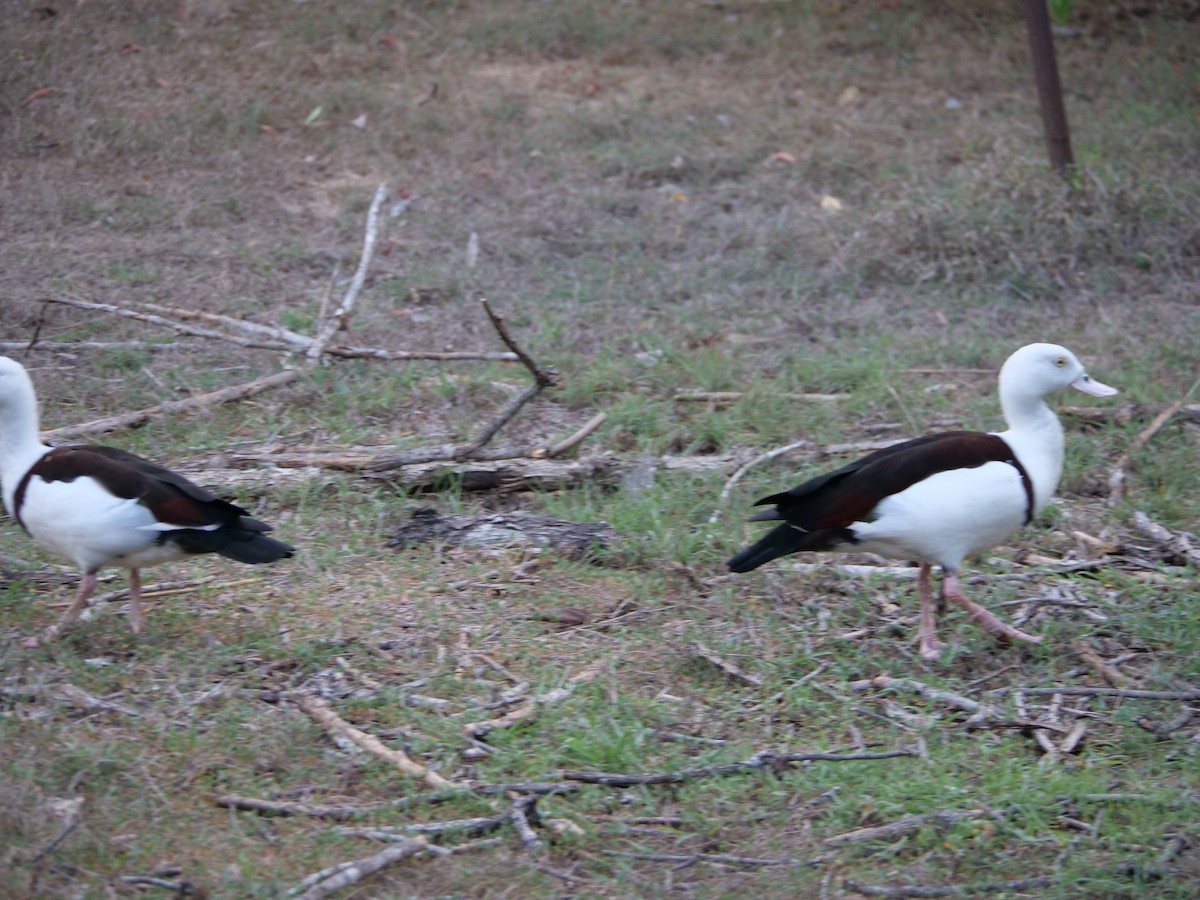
x: 1045, y: 70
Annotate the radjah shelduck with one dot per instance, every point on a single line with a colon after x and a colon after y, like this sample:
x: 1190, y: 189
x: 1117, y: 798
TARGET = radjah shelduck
x: 100, y: 506
x: 939, y: 498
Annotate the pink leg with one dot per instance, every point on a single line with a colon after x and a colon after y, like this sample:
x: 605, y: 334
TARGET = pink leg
x: 87, y: 584
x: 927, y: 640
x: 983, y: 617
x: 135, y: 601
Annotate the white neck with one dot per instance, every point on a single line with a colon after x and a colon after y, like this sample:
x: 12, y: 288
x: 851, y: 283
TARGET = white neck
x: 1036, y: 437
x: 20, y: 441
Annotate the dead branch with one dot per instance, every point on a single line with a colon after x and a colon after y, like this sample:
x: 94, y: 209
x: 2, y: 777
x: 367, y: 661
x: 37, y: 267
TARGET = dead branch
x: 543, y: 377
x: 952, y: 890
x: 72, y: 346
x: 724, y: 665
x: 270, y: 332
x: 731, y: 396
x: 936, y: 371
x: 170, y: 407
x: 476, y: 730
x: 291, y: 808
x: 1175, y: 542
x: 979, y: 712
x: 908, y: 824
x: 393, y: 833
x: 520, y: 811
x: 178, y: 327
x: 1116, y: 475
x: 760, y: 760
x: 716, y: 858
x: 329, y: 881
x: 1100, y: 666
x: 1163, y: 730
x: 582, y: 434
x: 723, y: 500
x: 1123, y: 693
x: 337, y: 320
x: 323, y: 714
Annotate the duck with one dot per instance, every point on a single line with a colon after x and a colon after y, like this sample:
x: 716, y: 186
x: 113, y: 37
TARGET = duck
x: 939, y: 498
x: 101, y: 507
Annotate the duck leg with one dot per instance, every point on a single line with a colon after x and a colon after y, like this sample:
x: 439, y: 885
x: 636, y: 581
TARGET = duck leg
x: 985, y: 619
x: 87, y: 584
x: 927, y: 640
x: 135, y: 601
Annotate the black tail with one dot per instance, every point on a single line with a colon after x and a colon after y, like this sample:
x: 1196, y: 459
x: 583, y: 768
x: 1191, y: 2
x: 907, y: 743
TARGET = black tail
x: 785, y: 539
x: 244, y: 542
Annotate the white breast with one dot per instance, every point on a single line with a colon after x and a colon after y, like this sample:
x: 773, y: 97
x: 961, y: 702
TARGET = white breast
x: 948, y: 516
x: 82, y: 521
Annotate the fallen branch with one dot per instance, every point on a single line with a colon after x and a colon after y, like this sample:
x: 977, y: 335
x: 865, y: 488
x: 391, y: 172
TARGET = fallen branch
x: 1174, y: 542
x: 909, y: 824
x: 582, y: 434
x: 178, y: 327
x: 1124, y: 693
x: 170, y: 407
x: 760, y: 760
x: 1116, y: 475
x: 1101, y: 666
x: 951, y: 890
x: 72, y: 346
x: 731, y: 396
x: 330, y: 324
x: 323, y: 714
x: 716, y: 858
x: 520, y: 811
x: 476, y: 730
x: 724, y: 665
x: 333, y: 879
x: 979, y: 712
x: 723, y: 500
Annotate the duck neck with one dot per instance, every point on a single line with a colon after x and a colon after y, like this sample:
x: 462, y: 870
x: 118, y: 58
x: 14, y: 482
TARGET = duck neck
x: 20, y: 441
x: 1036, y: 437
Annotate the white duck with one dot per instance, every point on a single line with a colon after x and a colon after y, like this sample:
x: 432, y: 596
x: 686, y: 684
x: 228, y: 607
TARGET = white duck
x: 942, y: 497
x: 100, y: 506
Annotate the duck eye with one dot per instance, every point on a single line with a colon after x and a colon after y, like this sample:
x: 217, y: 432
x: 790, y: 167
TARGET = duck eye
x: 1061, y: 361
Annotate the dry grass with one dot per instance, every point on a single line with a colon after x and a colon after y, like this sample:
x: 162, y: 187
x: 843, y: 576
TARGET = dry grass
x: 638, y: 228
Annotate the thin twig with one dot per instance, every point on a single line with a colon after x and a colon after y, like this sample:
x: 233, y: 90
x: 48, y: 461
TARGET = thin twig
x: 729, y: 668
x: 909, y: 824
x: 325, y: 330
x: 476, y: 730
x: 329, y: 881
x: 760, y: 760
x: 717, y: 858
x: 578, y: 437
x: 1102, y: 667
x: 543, y: 377
x: 323, y: 713
x: 270, y: 332
x: 952, y: 890
x: 726, y: 491
x: 520, y: 811
x: 731, y: 396
x: 980, y: 712
x: 1124, y: 693
x: 1116, y: 475
x: 170, y: 407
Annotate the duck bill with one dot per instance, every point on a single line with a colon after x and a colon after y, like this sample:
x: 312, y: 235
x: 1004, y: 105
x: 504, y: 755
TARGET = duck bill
x: 1090, y: 385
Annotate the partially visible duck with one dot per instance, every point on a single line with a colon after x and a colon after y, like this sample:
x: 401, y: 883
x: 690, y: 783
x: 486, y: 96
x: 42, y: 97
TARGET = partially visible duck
x: 100, y: 506
x: 942, y: 497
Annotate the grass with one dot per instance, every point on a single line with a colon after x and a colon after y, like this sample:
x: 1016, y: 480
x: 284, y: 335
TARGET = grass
x: 640, y: 232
